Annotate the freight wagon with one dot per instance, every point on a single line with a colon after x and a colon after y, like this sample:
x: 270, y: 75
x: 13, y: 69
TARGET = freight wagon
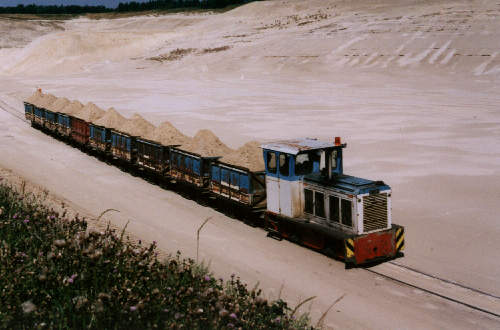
x: 190, y: 168
x: 28, y: 111
x: 152, y: 156
x: 123, y: 147
x: 238, y: 185
x: 64, y: 125
x: 80, y: 131
x: 99, y: 138
x: 39, y: 117
x: 50, y: 122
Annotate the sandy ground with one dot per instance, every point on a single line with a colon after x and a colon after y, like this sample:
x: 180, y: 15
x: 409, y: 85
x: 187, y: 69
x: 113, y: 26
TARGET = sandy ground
x: 412, y: 88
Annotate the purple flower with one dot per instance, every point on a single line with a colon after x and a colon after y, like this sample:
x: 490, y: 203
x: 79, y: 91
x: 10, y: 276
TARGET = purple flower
x: 70, y: 280
x: 15, y: 216
x: 166, y: 310
x: 177, y: 316
x: 207, y: 278
x: 133, y: 308
x: 52, y: 217
x: 233, y: 316
x: 26, y: 221
x: 277, y: 320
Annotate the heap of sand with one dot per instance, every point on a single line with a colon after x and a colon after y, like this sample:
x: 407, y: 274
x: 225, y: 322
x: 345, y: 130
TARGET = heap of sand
x: 45, y: 100
x: 59, y: 104
x: 111, y: 119
x: 207, y: 144
x: 138, y: 126
x: 90, y: 113
x: 248, y: 156
x: 35, y: 97
x: 167, y: 134
x: 72, y: 108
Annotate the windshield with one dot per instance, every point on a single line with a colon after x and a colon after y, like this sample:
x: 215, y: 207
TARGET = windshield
x: 304, y: 163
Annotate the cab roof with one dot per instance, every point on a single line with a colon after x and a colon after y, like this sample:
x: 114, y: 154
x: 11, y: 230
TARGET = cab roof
x: 297, y: 146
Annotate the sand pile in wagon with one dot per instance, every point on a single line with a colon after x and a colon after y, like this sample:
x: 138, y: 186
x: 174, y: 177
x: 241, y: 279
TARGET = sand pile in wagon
x: 45, y: 100
x: 90, y: 112
x: 35, y: 97
x: 72, y: 108
x: 207, y: 144
x: 168, y: 134
x: 249, y: 156
x: 111, y: 119
x: 58, y: 104
x: 138, y: 126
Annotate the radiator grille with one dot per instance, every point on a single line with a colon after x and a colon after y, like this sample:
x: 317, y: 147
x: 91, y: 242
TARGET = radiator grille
x: 374, y: 212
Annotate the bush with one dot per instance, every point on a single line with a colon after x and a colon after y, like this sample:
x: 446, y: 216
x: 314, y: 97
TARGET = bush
x: 56, y: 273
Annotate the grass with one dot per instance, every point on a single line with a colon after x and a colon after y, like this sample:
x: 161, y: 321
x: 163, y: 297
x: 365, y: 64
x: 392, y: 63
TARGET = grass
x: 57, y: 273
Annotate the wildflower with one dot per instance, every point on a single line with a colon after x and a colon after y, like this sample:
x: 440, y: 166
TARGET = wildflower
x: 223, y: 312
x: 277, y: 320
x: 28, y: 307
x: 26, y: 221
x: 230, y: 325
x: 72, y: 278
x: 133, y: 308
x: 207, y: 278
x: 177, y: 316
x: 233, y: 316
x: 166, y: 310
x: 14, y: 216
x: 52, y: 217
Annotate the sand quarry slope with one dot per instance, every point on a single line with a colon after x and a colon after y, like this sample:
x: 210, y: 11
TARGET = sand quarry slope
x: 411, y: 86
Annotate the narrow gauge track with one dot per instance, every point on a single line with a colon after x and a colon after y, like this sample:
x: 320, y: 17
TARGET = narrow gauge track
x: 254, y: 219
x: 460, y: 302
x: 12, y: 111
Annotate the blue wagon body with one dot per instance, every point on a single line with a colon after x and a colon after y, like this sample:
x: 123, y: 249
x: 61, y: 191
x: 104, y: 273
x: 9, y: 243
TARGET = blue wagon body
x: 63, y: 124
x: 238, y: 184
x: 39, y: 118
x: 123, y: 146
x: 100, y: 138
x: 50, y: 122
x: 28, y: 111
x: 152, y: 156
x: 190, y: 167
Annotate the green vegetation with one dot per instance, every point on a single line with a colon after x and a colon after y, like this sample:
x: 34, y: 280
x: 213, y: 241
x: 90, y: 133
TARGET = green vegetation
x: 56, y: 273
x: 133, y: 6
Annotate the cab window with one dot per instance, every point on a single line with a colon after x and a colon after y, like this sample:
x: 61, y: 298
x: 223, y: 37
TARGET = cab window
x: 334, y: 159
x: 346, y: 212
x: 303, y: 164
x: 334, y: 209
x: 284, y: 165
x: 271, y: 162
x: 319, y: 204
x: 309, y: 202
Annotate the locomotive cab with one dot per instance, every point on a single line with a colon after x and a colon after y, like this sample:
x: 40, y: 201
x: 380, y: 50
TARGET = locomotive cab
x: 311, y: 200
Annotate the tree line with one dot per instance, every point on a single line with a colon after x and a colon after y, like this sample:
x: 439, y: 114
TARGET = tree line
x: 122, y: 7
